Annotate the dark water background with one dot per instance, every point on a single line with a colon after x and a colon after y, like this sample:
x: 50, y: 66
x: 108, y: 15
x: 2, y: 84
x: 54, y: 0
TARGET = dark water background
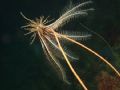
x: 24, y: 66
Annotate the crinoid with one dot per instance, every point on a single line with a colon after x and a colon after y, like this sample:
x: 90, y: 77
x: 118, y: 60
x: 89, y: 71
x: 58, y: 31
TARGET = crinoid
x: 51, y: 39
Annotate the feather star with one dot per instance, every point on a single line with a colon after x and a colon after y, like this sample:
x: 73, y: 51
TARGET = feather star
x: 50, y: 37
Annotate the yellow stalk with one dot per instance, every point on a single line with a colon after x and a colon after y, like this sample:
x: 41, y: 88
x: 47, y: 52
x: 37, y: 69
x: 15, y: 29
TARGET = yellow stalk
x: 69, y: 64
x: 93, y: 52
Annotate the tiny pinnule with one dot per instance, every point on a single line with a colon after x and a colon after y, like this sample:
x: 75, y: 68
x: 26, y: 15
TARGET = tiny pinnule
x: 51, y: 38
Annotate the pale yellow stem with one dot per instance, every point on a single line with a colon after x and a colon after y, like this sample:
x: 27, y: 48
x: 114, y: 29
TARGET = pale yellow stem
x: 95, y: 53
x: 69, y: 64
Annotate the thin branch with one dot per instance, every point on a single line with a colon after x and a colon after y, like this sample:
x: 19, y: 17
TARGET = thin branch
x: 93, y: 52
x: 69, y: 64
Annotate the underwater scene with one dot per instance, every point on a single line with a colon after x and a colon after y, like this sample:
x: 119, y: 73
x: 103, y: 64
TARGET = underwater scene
x: 60, y: 45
